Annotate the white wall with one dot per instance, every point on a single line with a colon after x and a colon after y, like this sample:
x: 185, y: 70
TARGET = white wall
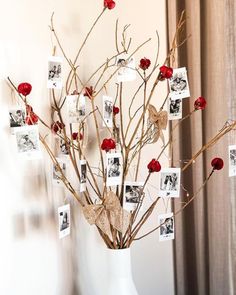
x: 34, y: 260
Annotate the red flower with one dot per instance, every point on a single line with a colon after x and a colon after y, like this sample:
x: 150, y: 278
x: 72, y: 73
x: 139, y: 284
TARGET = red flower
x: 144, y: 63
x: 154, y: 166
x: 200, y: 103
x: 110, y: 4
x: 116, y: 110
x: 57, y: 126
x: 108, y: 144
x: 24, y: 88
x: 217, y: 163
x: 89, y: 92
x: 165, y: 73
x: 31, y: 118
x: 75, y: 136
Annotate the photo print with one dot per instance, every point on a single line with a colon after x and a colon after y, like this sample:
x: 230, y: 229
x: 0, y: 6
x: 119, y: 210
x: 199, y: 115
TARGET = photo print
x: 17, y: 117
x: 114, y: 168
x: 63, y: 148
x: 126, y: 70
x: 75, y: 108
x: 178, y: 83
x: 56, y: 173
x: 167, y: 229
x: 55, y: 72
x: 107, y: 111
x: 64, y: 221
x: 169, y: 185
x: 174, y: 108
x: 133, y: 192
x: 232, y: 160
x: 83, y: 175
x: 27, y: 142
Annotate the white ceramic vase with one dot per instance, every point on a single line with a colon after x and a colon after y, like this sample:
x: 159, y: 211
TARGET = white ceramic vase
x: 120, y: 280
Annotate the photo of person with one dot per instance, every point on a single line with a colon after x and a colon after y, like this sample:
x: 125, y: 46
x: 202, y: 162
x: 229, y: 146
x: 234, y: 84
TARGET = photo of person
x: 178, y: 84
x: 232, y: 160
x: 133, y: 192
x: 107, y: 111
x: 126, y: 70
x: 63, y: 147
x: 54, y: 72
x: 75, y: 108
x: 166, y: 222
x: 83, y: 175
x: 169, y: 182
x: 113, y: 169
x: 27, y: 141
x: 174, y: 108
x: 17, y: 117
x: 64, y: 221
x: 57, y: 175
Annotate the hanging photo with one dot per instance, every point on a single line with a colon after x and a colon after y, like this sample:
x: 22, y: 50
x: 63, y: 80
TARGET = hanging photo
x: 64, y: 149
x: 166, y: 222
x: 126, y: 70
x: 107, y: 111
x: 114, y: 169
x: 169, y: 185
x: 174, y: 108
x: 178, y: 83
x: 27, y: 141
x: 75, y: 108
x: 232, y: 160
x: 55, y: 72
x: 133, y: 192
x: 56, y: 173
x: 83, y: 175
x: 64, y: 221
x: 17, y: 117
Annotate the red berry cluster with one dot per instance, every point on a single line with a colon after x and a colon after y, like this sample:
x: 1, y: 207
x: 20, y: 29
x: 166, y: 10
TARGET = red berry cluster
x: 144, y: 63
x: 57, y: 126
x: 165, y: 73
x: 110, y: 4
x: 154, y: 166
x: 108, y: 144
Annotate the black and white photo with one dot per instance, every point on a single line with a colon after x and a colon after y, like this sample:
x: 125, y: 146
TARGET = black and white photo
x: 107, y: 111
x: 55, y: 72
x: 126, y: 66
x: 64, y: 221
x: 167, y: 229
x: 27, y: 141
x: 133, y: 193
x: 64, y: 149
x: 114, y: 168
x: 178, y: 83
x: 75, y: 108
x: 174, y: 108
x: 83, y: 175
x: 57, y: 173
x: 17, y: 117
x: 169, y: 185
x: 232, y: 160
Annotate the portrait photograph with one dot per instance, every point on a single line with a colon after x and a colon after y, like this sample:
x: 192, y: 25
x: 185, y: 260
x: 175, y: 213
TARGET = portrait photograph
x: 56, y: 173
x: 83, y: 175
x: 114, y: 168
x: 55, y: 72
x: 107, y: 111
x: 169, y: 185
x: 133, y: 192
x: 64, y: 221
x: 166, y: 230
x: 232, y: 160
x: 178, y: 84
x: 174, y: 108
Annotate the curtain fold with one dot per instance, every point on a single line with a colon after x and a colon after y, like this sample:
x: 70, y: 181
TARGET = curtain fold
x: 205, y: 252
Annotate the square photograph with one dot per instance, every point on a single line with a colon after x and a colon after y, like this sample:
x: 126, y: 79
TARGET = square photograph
x: 17, y: 117
x: 178, y: 84
x: 232, y: 160
x: 174, y: 108
x: 126, y: 70
x: 133, y: 192
x: 27, y: 142
x: 55, y: 72
x: 114, y: 168
x: 107, y: 111
x: 166, y: 231
x: 169, y: 183
x: 64, y: 221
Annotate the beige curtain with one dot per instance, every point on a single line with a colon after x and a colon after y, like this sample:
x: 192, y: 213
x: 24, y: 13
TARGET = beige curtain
x: 205, y: 245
